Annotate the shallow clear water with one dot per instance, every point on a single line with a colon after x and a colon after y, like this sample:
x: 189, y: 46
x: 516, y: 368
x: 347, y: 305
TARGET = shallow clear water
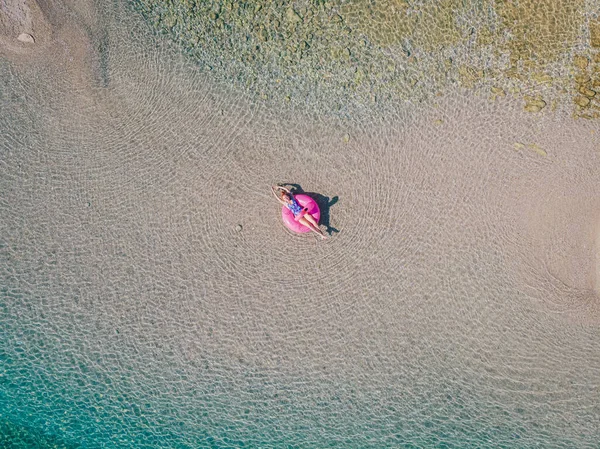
x: 455, y: 307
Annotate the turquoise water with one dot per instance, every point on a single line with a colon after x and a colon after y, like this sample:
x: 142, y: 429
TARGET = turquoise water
x: 134, y: 315
x: 76, y: 410
x: 88, y: 410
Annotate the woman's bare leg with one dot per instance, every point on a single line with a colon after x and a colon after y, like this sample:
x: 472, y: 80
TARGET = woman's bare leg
x: 312, y: 220
x: 310, y: 226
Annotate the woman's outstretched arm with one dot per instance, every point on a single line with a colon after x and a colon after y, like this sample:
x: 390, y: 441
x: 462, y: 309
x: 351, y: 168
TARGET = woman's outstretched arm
x: 275, y: 193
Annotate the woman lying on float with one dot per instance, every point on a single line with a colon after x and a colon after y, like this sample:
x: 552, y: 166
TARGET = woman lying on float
x: 300, y: 212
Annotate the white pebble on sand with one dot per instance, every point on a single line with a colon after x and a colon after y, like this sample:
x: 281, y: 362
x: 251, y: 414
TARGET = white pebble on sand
x: 27, y: 38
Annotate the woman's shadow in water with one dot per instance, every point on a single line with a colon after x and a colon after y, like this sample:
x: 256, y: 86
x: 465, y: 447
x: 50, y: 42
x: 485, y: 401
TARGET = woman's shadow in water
x: 324, y: 203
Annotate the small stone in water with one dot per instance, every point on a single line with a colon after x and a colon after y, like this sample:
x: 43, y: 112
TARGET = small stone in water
x: 27, y: 38
x: 587, y: 92
x: 533, y: 104
x: 582, y: 101
x: 532, y: 108
x: 537, y: 149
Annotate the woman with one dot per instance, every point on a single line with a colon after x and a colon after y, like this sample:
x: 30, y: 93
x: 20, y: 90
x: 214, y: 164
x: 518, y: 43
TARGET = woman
x: 301, y: 214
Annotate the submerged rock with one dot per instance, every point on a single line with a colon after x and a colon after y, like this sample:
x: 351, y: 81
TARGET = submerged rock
x: 537, y: 149
x: 532, y: 108
x: 587, y: 92
x: 344, y: 49
x: 27, y: 38
x: 542, y: 78
x: 497, y: 92
x: 533, y: 104
x: 336, y: 18
x: 581, y: 61
x: 292, y: 16
x: 582, y: 101
x: 582, y: 79
x: 595, y: 34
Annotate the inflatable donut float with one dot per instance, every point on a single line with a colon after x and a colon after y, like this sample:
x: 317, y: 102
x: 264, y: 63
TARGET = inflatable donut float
x: 288, y: 216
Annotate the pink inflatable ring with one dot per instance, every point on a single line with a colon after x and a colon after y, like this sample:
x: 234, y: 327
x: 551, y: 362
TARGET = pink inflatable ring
x: 288, y: 216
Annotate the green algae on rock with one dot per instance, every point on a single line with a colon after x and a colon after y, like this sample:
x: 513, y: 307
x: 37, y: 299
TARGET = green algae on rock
x: 534, y: 104
x: 336, y: 54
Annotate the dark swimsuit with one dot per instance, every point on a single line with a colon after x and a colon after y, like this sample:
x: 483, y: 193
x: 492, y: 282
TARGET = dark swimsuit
x: 294, y: 206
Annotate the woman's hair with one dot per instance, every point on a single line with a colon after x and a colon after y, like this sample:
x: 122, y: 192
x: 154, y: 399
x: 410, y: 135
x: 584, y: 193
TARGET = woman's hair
x: 284, y: 194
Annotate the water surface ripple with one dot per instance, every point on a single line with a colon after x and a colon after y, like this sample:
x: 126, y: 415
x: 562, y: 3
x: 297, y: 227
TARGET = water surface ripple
x: 456, y: 307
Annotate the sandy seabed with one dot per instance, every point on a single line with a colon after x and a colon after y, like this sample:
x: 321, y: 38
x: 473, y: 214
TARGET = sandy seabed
x: 455, y: 304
